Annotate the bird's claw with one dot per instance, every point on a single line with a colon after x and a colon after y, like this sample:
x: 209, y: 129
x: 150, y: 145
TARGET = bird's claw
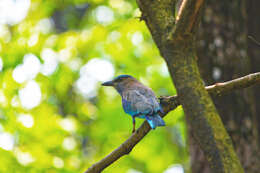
x: 133, y: 131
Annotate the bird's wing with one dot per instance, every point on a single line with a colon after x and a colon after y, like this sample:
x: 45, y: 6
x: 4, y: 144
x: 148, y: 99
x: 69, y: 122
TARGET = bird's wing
x: 135, y: 102
x: 149, y: 94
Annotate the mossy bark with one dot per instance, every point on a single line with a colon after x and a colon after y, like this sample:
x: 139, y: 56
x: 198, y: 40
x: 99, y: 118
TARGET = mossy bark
x: 176, y: 43
x: 228, y: 50
x: 201, y: 115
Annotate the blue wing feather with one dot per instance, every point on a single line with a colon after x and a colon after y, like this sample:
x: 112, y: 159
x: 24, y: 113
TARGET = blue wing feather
x: 143, y: 105
x: 127, y: 107
x: 155, y: 121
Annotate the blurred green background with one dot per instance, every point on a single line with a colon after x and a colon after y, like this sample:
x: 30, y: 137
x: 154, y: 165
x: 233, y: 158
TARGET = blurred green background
x: 54, y: 115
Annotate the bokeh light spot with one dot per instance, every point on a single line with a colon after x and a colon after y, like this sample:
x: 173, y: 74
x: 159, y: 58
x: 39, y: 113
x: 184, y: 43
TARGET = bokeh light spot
x: 58, y: 162
x: 50, y: 59
x: 44, y: 25
x: 137, y: 38
x: 33, y: 40
x: 12, y: 12
x: 3, y: 100
x: 6, y: 141
x: 68, y: 124
x: 1, y: 64
x: 24, y: 158
x: 177, y: 168
x: 28, y: 70
x: 69, y: 143
x: 26, y: 120
x: 96, y: 70
x: 104, y: 15
x: 216, y: 74
x: 30, y: 95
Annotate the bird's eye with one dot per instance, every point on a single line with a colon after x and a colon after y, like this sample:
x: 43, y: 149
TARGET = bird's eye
x: 118, y: 80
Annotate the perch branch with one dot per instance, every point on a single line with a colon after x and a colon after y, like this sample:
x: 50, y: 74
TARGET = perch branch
x: 254, y: 40
x: 170, y: 103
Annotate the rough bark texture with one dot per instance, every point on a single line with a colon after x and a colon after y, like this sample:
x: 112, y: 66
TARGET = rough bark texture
x: 177, y: 46
x: 253, y: 52
x: 202, y: 118
x: 225, y: 52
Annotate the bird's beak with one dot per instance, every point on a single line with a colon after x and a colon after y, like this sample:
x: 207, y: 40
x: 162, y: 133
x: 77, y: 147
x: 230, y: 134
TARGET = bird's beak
x: 108, y: 83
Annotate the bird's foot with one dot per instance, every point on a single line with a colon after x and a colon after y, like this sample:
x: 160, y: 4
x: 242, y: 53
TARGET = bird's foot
x: 133, y: 131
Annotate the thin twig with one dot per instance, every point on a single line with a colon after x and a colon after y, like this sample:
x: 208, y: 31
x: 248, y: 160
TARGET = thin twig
x: 170, y: 103
x: 254, y: 40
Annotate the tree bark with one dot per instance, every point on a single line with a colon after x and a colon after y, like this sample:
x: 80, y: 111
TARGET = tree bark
x: 253, y: 51
x: 225, y: 52
x: 177, y: 45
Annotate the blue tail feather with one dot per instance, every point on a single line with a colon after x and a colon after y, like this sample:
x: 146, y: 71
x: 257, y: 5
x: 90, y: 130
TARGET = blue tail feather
x: 155, y: 120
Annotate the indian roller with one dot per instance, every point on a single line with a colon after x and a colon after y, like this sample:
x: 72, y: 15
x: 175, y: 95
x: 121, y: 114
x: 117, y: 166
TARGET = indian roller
x: 138, y: 100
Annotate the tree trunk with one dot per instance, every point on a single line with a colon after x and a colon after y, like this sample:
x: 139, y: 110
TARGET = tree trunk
x: 176, y: 42
x: 225, y: 53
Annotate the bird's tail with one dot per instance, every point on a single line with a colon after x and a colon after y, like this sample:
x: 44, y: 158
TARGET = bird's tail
x: 155, y: 120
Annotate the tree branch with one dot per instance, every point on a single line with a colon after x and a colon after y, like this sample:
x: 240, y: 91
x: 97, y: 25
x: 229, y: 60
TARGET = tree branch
x: 170, y: 103
x: 254, y: 40
x: 188, y: 16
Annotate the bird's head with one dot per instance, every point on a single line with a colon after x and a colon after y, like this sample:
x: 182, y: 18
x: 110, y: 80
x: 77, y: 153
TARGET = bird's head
x: 120, y: 82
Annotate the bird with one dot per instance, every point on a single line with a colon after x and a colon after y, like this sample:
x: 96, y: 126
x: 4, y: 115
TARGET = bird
x: 138, y: 100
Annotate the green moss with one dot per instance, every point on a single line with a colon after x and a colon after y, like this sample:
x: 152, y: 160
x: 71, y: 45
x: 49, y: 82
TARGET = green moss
x: 202, y: 116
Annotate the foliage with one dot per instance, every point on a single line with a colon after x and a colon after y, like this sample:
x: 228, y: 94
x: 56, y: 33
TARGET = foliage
x: 54, y: 115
